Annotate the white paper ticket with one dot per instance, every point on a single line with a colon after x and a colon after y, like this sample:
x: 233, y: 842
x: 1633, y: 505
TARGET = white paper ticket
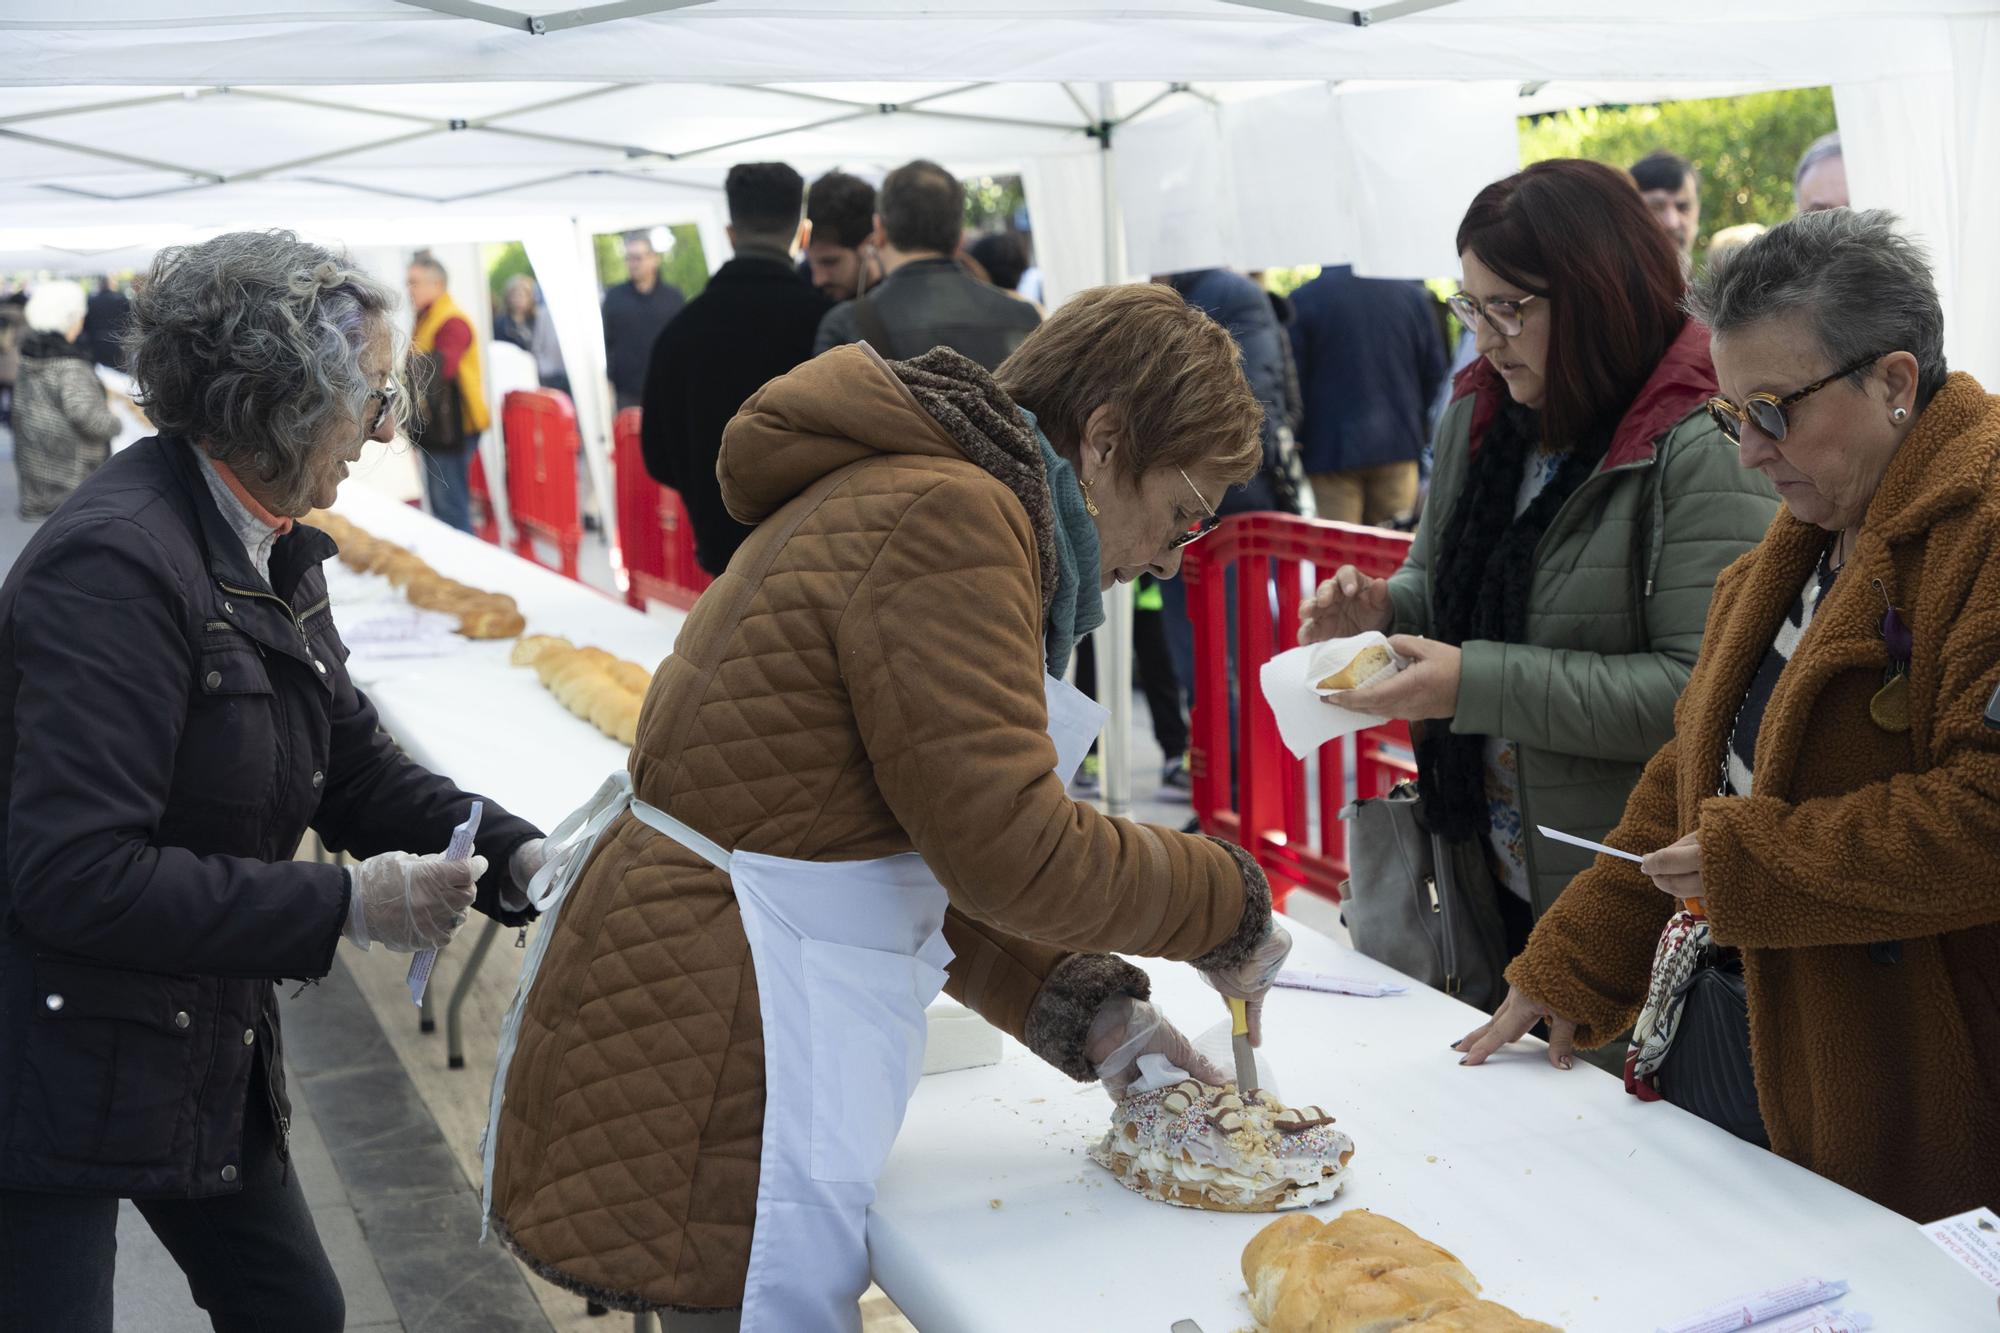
x: 1974, y: 1240
x: 424, y: 960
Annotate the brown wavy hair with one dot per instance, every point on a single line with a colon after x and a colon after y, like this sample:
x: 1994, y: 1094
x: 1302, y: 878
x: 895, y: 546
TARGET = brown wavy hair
x: 1577, y: 234
x: 1172, y: 375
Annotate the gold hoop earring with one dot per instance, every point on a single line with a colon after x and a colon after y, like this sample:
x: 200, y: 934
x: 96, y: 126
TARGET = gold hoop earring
x: 1089, y: 505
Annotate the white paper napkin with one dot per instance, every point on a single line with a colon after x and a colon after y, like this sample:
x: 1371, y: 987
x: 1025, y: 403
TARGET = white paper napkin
x: 1305, y: 720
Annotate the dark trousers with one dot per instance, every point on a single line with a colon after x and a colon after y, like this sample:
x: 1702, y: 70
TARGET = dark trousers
x: 448, y: 483
x: 1155, y: 670
x: 253, y: 1260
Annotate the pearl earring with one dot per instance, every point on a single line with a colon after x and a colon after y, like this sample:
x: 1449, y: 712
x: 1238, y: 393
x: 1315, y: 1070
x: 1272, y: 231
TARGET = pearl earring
x: 1089, y: 505
x: 1899, y: 415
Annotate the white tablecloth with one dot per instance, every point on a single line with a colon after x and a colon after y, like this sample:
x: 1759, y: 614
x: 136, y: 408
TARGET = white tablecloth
x: 488, y: 725
x: 1571, y: 1201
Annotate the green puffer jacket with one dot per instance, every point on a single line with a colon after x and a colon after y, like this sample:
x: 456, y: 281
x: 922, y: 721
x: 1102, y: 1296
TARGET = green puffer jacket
x: 1621, y: 589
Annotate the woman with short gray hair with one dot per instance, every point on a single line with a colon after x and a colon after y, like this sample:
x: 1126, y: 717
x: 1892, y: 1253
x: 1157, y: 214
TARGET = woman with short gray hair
x: 175, y: 713
x: 1811, y: 945
x: 63, y: 425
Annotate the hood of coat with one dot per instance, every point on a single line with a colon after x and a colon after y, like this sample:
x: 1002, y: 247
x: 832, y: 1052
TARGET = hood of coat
x: 850, y: 405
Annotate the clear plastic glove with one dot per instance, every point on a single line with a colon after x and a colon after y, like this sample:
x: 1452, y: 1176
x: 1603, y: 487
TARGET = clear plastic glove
x: 1253, y: 979
x: 1126, y: 1029
x: 406, y: 903
x: 527, y: 859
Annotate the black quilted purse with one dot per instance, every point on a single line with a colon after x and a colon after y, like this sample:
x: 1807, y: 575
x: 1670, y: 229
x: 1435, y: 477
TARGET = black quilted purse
x: 1707, y: 1069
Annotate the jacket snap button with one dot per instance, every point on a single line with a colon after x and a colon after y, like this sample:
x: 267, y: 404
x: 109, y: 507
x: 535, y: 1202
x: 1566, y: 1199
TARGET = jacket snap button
x: 181, y: 1019
x: 228, y: 1174
x: 55, y: 1003
x: 230, y: 607
x: 319, y: 666
x: 249, y: 1036
x: 213, y: 679
x: 319, y: 778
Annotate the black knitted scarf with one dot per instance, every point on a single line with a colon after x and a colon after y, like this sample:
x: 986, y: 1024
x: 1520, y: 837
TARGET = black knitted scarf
x: 1480, y: 591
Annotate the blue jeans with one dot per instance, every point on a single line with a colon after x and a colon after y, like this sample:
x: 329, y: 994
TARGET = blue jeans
x: 448, y: 484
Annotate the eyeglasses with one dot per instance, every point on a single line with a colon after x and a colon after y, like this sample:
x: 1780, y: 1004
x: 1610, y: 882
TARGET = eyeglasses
x: 1502, y: 316
x: 1202, y: 526
x: 1768, y: 412
x: 383, y: 398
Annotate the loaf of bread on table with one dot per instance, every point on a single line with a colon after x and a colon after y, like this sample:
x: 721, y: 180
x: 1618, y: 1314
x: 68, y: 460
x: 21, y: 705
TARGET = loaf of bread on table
x: 1363, y: 1273
x: 589, y: 682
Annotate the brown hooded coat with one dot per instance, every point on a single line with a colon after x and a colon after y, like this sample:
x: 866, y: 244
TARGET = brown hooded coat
x: 1878, y: 1070
x: 866, y: 679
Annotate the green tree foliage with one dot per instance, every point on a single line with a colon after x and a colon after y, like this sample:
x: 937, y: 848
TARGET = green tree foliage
x: 993, y: 202
x: 1744, y: 147
x: 503, y: 262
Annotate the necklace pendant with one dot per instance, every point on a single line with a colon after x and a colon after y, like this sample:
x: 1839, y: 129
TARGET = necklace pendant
x: 1890, y: 708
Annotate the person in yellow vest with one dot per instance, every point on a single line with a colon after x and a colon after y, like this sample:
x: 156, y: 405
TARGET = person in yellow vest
x: 448, y: 438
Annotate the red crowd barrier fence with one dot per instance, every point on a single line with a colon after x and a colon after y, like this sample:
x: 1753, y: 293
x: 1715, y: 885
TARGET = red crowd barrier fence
x: 1285, y: 811
x: 539, y: 427
x: 653, y: 527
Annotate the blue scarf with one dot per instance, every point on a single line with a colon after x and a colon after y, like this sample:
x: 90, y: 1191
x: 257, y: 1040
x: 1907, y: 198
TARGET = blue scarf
x: 1078, y: 606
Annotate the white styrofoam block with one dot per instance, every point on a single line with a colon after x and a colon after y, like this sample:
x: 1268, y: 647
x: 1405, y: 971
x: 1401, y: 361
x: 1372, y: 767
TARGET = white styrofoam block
x: 959, y: 1038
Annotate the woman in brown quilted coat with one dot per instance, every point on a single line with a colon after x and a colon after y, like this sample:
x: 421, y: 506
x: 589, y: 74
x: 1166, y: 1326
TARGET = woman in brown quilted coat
x: 870, y: 678
x: 1811, y: 947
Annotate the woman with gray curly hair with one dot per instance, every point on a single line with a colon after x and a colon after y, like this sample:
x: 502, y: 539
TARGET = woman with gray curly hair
x: 174, y: 715
x: 1811, y: 946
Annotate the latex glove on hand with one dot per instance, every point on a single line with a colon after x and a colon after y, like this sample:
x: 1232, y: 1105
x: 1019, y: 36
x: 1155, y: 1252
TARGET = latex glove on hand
x: 528, y: 858
x: 406, y: 903
x: 1252, y: 980
x: 1126, y: 1029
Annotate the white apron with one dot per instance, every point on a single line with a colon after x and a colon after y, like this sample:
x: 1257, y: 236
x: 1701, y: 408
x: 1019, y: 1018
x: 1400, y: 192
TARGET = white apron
x: 848, y: 955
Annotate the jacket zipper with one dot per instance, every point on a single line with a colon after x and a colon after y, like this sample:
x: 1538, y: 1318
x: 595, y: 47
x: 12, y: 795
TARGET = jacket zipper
x: 298, y: 618
x: 272, y: 1054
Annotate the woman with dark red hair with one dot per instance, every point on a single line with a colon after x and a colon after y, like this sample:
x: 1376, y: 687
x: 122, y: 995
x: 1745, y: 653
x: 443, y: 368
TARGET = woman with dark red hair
x: 1582, y: 504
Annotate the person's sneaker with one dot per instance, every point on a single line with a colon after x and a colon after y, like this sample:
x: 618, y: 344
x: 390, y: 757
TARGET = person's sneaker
x: 1176, y: 783
x: 1089, y: 780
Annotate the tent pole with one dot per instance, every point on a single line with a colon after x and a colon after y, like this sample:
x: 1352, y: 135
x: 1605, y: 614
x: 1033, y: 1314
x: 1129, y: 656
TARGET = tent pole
x: 1114, y: 674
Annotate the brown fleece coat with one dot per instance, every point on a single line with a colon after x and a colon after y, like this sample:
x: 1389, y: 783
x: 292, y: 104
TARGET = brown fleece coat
x: 1882, y: 1075
x: 866, y: 679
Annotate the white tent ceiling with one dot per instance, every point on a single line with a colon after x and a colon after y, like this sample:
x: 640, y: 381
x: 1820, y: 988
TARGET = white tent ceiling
x: 1253, y: 132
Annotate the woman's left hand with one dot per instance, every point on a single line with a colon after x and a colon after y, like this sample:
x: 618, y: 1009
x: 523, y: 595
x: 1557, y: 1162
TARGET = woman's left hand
x: 1427, y: 688
x: 1676, y: 868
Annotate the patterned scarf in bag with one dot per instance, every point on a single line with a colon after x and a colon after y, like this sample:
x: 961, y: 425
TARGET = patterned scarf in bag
x: 1683, y: 948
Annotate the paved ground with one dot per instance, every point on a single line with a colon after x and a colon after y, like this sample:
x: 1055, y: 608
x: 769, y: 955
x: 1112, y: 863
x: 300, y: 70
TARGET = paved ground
x: 385, y: 1134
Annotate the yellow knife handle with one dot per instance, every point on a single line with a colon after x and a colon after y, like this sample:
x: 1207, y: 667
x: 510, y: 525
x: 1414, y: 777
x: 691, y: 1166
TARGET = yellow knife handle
x: 1239, y: 1018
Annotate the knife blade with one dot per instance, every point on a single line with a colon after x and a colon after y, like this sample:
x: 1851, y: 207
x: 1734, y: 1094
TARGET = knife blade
x: 1246, y: 1058
x: 1185, y: 1326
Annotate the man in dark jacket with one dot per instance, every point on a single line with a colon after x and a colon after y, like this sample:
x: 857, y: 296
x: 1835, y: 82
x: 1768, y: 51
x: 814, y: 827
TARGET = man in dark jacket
x: 1370, y: 362
x: 104, y: 321
x: 927, y: 300
x: 634, y: 313
x: 754, y: 322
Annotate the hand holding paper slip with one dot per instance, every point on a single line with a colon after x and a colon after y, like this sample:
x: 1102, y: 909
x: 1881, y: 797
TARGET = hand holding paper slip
x: 1587, y: 844
x: 424, y: 960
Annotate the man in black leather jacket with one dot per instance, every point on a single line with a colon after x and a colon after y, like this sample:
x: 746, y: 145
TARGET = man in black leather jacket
x: 927, y: 300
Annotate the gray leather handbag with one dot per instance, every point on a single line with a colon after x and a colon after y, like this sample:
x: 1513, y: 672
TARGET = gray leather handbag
x: 1420, y: 904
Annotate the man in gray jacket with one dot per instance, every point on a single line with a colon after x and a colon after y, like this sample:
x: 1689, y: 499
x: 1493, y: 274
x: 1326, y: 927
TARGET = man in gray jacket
x: 927, y: 300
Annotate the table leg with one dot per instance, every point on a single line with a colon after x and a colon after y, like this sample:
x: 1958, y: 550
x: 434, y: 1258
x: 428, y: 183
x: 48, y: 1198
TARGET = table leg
x: 454, y: 1046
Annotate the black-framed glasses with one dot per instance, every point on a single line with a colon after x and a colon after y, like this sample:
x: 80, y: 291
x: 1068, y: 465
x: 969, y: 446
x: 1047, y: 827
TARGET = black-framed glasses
x: 384, y: 398
x: 1502, y: 315
x: 1770, y: 413
x: 1202, y: 526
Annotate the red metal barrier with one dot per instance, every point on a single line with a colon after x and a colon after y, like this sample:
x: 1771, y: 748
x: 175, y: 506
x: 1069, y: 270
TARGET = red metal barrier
x: 485, y: 523
x: 1284, y: 811
x: 539, y: 426
x: 653, y: 528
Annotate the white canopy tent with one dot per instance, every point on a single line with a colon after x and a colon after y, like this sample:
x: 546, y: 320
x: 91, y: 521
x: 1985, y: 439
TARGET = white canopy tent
x: 1152, y: 135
